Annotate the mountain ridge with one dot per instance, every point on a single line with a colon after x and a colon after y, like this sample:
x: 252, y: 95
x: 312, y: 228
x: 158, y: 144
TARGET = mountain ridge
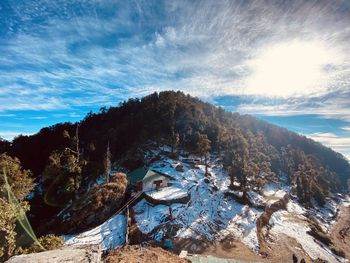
x: 231, y: 176
x: 136, y: 120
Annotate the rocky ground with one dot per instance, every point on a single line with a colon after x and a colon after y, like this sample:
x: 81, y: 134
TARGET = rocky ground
x: 138, y: 254
x: 87, y: 254
x: 340, y: 232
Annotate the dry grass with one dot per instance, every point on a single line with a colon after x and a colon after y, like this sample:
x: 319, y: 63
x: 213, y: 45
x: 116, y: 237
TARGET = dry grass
x: 137, y: 254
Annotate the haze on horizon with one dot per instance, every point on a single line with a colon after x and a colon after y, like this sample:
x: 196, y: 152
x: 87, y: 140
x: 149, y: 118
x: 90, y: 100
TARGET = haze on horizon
x: 287, y: 62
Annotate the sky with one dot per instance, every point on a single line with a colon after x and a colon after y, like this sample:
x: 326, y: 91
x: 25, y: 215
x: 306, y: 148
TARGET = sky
x: 287, y: 62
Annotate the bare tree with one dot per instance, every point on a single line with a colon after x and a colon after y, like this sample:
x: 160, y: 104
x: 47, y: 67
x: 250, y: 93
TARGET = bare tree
x: 107, y: 163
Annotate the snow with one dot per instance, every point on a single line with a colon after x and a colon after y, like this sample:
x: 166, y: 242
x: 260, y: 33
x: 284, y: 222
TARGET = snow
x: 294, y: 208
x: 273, y: 190
x: 110, y: 234
x: 167, y: 193
x: 148, y: 217
x: 297, y: 230
x: 165, y: 148
x: 346, y: 201
x: 209, y: 215
x: 269, y: 189
x: 256, y: 199
x: 243, y: 227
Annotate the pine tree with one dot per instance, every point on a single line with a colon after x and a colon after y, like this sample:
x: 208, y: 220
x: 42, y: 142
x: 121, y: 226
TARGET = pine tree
x: 203, y: 147
x: 237, y: 159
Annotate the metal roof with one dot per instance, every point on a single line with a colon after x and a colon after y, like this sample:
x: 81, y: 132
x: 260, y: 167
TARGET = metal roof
x: 143, y: 174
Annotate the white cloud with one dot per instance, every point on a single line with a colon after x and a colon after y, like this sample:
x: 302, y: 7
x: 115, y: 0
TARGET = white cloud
x: 335, y: 106
x: 199, y: 47
x: 340, y: 144
x: 293, y: 68
x: 101, y: 52
x: 9, y: 135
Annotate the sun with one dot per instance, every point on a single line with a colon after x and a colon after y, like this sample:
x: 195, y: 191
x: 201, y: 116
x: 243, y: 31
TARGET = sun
x: 292, y: 68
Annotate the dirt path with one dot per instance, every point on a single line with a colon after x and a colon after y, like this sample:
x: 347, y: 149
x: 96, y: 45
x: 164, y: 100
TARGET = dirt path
x: 340, y: 232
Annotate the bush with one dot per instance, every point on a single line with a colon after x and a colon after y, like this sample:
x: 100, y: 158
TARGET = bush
x: 48, y: 242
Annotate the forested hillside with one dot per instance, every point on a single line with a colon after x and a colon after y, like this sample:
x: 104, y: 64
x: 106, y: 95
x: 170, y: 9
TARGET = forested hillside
x: 250, y: 146
x: 71, y: 163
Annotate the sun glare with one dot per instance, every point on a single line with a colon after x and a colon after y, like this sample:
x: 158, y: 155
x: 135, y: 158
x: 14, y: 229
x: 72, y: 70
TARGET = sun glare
x: 291, y: 69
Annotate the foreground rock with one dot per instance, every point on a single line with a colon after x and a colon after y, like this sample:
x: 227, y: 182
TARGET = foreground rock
x: 66, y: 254
x: 136, y: 254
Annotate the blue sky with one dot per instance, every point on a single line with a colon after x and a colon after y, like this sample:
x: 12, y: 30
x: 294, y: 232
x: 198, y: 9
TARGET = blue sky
x: 287, y: 62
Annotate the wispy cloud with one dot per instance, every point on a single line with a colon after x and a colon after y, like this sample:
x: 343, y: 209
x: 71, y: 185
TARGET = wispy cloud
x: 335, y: 104
x: 340, y: 144
x: 104, y: 51
x: 69, y: 57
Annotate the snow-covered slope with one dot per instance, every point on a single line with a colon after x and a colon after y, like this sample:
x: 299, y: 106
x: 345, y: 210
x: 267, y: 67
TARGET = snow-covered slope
x: 212, y: 215
x: 108, y: 235
x: 208, y: 215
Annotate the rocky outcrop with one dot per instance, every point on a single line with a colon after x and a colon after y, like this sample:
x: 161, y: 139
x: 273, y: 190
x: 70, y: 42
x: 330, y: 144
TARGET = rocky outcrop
x: 86, y: 254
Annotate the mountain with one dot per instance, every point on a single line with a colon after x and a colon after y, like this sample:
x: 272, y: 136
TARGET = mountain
x: 201, y: 214
x: 232, y: 177
x: 158, y: 117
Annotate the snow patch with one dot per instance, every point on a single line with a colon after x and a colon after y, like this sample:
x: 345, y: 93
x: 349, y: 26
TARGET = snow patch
x: 209, y: 215
x: 109, y: 235
x: 148, y: 217
x: 167, y: 193
x: 282, y: 225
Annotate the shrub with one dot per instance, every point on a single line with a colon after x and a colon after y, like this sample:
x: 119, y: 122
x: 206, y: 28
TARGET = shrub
x: 48, y: 242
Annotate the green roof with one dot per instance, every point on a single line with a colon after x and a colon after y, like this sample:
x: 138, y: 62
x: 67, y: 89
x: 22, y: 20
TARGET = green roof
x: 141, y: 174
x: 137, y: 175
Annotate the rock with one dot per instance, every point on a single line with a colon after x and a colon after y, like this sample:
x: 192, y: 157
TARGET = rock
x: 88, y: 254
